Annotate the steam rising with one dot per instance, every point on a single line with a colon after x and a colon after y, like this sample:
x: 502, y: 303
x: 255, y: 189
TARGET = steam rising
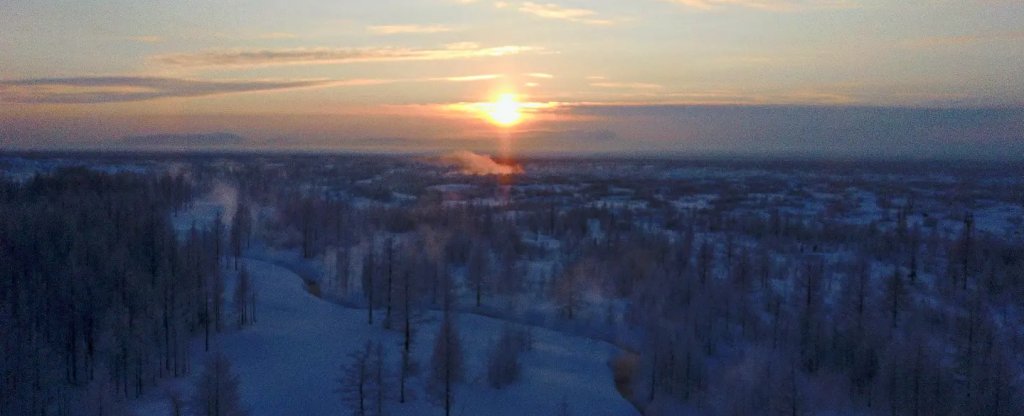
x: 226, y: 196
x: 476, y: 164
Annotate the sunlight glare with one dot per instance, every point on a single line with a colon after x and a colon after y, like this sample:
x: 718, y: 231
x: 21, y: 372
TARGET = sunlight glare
x: 506, y: 111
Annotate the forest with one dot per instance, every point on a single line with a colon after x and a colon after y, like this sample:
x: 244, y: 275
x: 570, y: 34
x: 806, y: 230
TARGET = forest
x: 722, y: 287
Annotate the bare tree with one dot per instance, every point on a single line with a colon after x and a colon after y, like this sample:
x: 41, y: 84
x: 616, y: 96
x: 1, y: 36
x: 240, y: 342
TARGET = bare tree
x: 342, y: 271
x: 408, y: 315
x: 216, y: 389
x: 241, y: 229
x: 895, y: 294
x: 176, y: 402
x: 568, y: 289
x: 354, y: 384
x: 242, y: 297
x: 446, y: 367
x: 369, y: 281
x: 408, y: 367
x: 389, y: 283
x: 503, y: 366
x: 362, y: 385
x: 478, y: 269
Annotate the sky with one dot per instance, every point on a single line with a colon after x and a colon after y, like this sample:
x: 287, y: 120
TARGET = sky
x: 918, y: 78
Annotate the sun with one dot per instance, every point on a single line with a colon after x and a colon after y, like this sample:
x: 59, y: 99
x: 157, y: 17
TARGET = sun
x: 505, y: 111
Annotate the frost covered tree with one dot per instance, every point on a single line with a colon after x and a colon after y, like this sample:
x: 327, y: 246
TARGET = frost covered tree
x: 96, y: 288
x: 408, y: 314
x: 407, y: 368
x: 477, y: 270
x: 355, y: 381
x: 369, y: 277
x: 216, y: 389
x: 100, y: 399
x: 563, y: 407
x: 342, y: 272
x: 242, y: 297
x: 389, y: 281
x: 362, y: 385
x: 214, y: 304
x: 895, y: 294
x: 241, y: 231
x: 176, y: 402
x: 568, y: 289
x: 503, y: 367
x: 446, y: 364
x: 378, y: 377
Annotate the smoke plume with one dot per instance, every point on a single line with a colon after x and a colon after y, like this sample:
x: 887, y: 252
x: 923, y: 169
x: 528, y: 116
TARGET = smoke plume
x: 471, y: 163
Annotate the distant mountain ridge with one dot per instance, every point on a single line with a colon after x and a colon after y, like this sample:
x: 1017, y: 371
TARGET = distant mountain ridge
x: 218, y: 139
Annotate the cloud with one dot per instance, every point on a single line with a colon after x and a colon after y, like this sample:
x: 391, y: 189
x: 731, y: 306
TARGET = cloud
x: 462, y: 46
x: 640, y: 94
x: 122, y: 89
x: 831, y: 130
x: 409, y: 29
x: 477, y: 164
x: 768, y: 5
x: 540, y: 75
x: 554, y: 11
x: 578, y: 135
x: 314, y: 56
x: 471, y: 78
x: 627, y: 85
x: 276, y: 36
x: 93, y: 90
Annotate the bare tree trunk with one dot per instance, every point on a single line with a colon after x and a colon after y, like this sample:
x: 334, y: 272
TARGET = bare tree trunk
x: 387, y: 316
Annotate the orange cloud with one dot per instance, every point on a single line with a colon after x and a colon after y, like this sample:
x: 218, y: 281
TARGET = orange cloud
x: 315, y: 56
x: 409, y: 29
x: 554, y: 11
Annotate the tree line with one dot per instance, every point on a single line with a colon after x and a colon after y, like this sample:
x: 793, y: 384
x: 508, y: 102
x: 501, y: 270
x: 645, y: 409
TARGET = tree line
x: 99, y: 295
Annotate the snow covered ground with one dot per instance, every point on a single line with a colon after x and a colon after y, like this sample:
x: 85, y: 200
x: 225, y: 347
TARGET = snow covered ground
x: 289, y: 361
